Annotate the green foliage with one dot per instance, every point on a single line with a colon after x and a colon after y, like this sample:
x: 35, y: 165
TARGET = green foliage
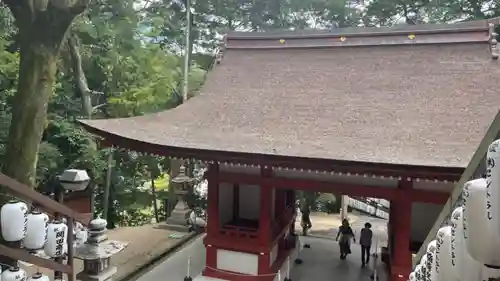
x: 132, y: 52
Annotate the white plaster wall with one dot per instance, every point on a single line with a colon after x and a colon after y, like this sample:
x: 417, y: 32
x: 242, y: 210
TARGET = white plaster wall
x: 423, y: 217
x: 249, y: 202
x: 289, y: 263
x: 238, y: 262
x: 225, y: 203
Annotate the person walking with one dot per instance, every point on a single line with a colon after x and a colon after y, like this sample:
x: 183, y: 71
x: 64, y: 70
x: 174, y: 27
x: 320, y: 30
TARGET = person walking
x: 306, y: 219
x: 365, y: 240
x: 346, y: 234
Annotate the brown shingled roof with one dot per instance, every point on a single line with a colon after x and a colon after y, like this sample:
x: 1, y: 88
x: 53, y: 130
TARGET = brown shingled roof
x: 408, y: 102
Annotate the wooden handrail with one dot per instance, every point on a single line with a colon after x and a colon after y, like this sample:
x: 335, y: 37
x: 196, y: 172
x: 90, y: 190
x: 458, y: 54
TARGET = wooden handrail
x: 24, y: 192
x: 23, y: 255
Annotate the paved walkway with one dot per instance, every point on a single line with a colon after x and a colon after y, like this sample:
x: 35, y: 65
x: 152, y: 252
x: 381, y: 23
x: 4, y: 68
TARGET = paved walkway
x: 321, y: 263
x: 326, y: 226
x: 147, y: 243
x: 175, y: 267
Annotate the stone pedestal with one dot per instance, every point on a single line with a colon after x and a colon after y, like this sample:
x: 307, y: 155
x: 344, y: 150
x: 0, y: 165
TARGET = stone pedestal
x: 96, y: 253
x: 178, y: 220
x: 104, y: 275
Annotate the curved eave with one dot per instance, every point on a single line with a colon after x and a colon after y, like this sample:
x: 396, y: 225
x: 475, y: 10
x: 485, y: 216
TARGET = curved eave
x: 299, y: 163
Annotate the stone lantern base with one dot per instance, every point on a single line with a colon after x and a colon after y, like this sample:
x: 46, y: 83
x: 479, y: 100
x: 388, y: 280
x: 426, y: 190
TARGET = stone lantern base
x: 178, y: 220
x: 105, y: 275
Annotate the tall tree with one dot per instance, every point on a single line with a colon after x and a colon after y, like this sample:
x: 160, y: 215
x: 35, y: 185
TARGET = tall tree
x: 42, y: 29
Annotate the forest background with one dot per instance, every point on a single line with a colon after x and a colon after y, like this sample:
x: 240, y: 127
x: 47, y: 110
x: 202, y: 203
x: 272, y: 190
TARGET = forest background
x: 61, y: 60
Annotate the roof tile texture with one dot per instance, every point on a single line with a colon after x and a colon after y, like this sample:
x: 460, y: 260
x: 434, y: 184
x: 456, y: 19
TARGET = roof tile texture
x: 412, y: 104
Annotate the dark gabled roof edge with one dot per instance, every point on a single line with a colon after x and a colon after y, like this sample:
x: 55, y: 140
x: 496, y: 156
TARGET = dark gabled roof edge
x: 479, y: 25
x: 465, y: 32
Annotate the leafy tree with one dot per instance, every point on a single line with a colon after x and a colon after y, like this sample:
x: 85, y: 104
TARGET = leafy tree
x: 42, y: 26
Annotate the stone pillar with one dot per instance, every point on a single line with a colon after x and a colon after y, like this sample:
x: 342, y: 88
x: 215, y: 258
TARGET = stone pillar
x: 97, y: 252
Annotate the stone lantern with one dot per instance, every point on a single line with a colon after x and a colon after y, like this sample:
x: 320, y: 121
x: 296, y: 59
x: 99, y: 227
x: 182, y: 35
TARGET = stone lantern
x: 96, y: 253
x: 178, y: 219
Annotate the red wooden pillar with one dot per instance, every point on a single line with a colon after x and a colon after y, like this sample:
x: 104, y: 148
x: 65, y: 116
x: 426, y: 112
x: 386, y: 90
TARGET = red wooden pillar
x: 213, y: 223
x: 265, y: 217
x: 401, y: 233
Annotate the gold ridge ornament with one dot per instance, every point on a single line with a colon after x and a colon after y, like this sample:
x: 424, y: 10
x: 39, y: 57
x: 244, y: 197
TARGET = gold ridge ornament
x: 282, y: 41
x: 411, y: 36
x: 342, y: 38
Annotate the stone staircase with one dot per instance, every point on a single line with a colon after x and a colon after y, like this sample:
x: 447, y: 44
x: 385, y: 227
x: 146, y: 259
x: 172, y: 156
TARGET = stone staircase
x: 372, y: 206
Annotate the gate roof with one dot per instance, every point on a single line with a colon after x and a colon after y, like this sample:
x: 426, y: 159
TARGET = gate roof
x: 412, y: 95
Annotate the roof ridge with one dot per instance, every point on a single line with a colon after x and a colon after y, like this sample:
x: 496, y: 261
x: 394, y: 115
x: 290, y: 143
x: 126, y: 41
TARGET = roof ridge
x: 467, y: 32
x: 468, y: 26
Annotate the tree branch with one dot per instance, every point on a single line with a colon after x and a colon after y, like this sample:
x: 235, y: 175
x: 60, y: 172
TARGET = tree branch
x: 81, y: 79
x: 73, y: 7
x: 15, y: 7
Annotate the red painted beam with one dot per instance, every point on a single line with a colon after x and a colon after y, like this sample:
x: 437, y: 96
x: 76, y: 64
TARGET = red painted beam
x: 417, y: 195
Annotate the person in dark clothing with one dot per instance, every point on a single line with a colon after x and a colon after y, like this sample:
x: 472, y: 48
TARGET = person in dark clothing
x: 346, y: 234
x: 306, y: 219
x: 365, y: 240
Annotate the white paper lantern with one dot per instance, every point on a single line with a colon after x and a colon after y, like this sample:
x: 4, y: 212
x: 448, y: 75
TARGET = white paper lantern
x: 488, y: 272
x: 14, y: 274
x: 57, y: 235
x: 481, y: 242
x: 419, y: 276
x: 464, y: 266
x: 493, y: 186
x: 423, y: 263
x: 36, y: 232
x: 13, y: 216
x: 443, y: 254
x: 39, y: 277
x: 430, y: 270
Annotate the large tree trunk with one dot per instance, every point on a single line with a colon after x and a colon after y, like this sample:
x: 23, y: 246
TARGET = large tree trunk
x: 37, y: 68
x: 38, y: 65
x: 42, y: 27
